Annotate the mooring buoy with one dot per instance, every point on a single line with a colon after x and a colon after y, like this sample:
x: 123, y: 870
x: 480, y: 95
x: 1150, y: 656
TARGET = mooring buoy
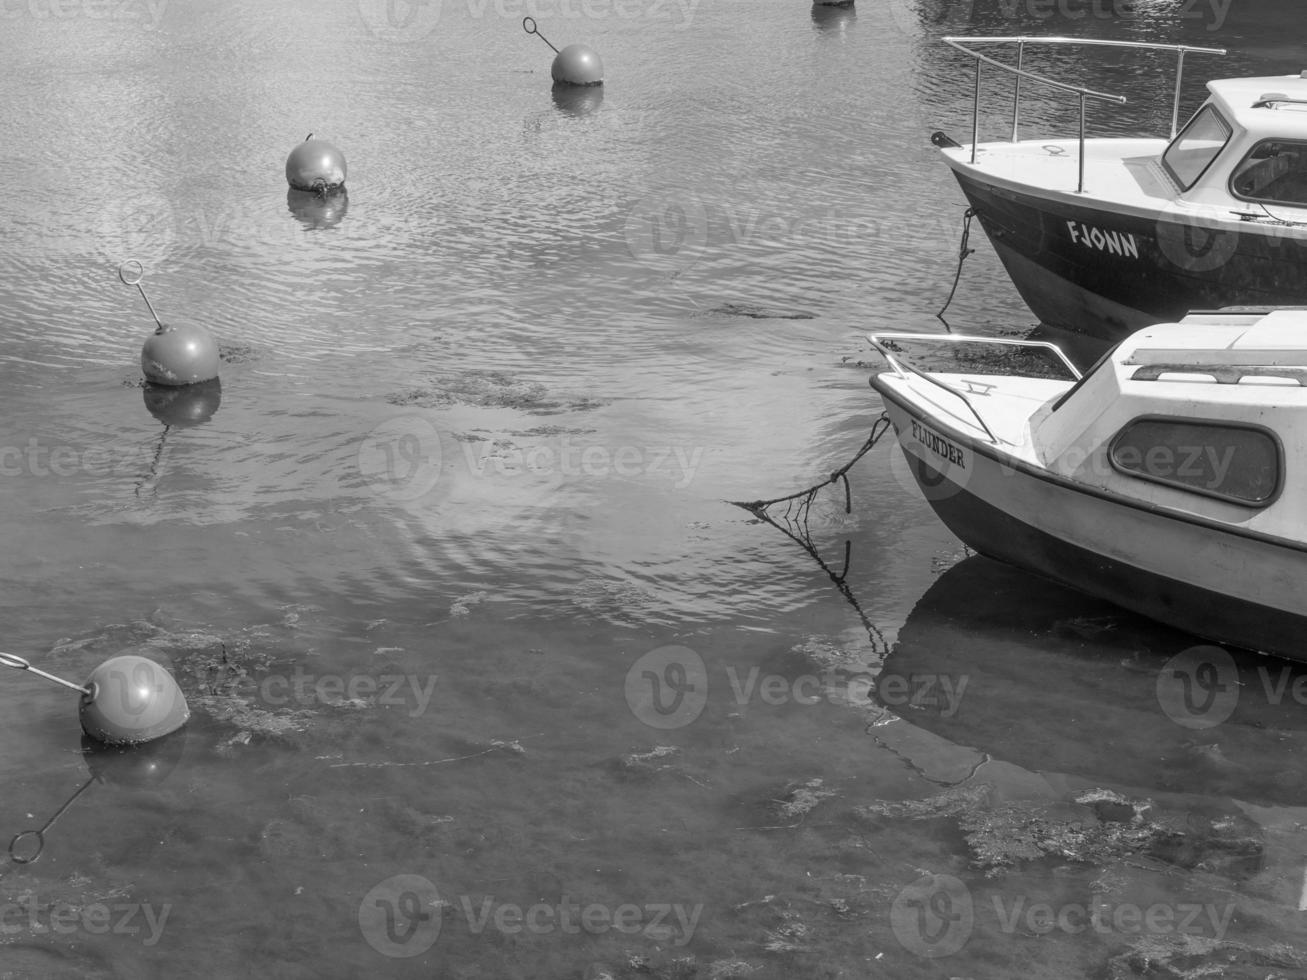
x: 316, y: 165
x: 576, y: 64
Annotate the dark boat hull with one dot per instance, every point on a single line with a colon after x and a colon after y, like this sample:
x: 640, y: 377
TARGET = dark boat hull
x: 1084, y: 268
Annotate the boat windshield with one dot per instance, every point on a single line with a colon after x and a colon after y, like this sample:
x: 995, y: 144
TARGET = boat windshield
x: 1196, y: 146
x: 1274, y: 171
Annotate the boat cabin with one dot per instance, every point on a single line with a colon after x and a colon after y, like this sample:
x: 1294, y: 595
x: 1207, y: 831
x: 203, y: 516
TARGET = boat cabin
x: 1208, y: 416
x: 1248, y: 141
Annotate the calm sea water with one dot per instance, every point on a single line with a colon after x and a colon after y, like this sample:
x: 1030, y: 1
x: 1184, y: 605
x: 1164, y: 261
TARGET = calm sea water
x: 418, y: 566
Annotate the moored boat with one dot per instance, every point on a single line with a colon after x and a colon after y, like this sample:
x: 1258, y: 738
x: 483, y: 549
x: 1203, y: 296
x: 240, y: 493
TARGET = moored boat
x: 1108, y: 234
x: 1170, y: 479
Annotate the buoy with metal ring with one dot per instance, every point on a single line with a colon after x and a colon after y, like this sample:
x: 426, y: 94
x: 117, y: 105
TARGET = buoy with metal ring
x: 131, y: 699
x: 316, y: 165
x: 576, y: 64
x: 127, y: 700
x: 184, y: 354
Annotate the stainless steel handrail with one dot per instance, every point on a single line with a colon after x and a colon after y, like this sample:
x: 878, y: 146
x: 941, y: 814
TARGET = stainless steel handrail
x: 899, y: 366
x: 1084, y: 93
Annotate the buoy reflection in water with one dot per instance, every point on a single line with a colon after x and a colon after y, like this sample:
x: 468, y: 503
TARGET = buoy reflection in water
x: 317, y: 210
x: 183, y: 406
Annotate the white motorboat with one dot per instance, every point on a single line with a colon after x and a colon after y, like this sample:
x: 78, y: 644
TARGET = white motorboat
x: 1105, y: 235
x: 1171, y: 478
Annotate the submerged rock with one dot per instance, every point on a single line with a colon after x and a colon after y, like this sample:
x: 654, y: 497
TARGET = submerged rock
x: 756, y: 312
x: 1187, y: 957
x: 491, y: 389
x: 801, y: 800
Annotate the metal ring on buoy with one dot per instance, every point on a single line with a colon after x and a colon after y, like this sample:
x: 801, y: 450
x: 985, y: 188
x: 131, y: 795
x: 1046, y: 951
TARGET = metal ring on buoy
x: 40, y: 846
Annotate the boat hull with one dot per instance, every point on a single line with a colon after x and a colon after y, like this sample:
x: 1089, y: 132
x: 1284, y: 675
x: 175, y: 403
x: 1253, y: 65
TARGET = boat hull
x: 1083, y: 267
x: 1233, y: 588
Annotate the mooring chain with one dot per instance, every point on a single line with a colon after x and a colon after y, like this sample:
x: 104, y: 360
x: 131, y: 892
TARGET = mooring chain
x: 797, y: 506
x: 807, y: 496
x: 964, y: 249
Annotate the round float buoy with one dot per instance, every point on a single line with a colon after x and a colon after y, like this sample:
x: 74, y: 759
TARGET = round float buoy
x: 315, y: 165
x: 183, y: 355
x: 577, y: 65
x: 131, y: 699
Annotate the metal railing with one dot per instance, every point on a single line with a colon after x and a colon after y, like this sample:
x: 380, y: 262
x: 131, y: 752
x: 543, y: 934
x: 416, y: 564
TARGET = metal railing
x: 902, y: 366
x: 1084, y: 93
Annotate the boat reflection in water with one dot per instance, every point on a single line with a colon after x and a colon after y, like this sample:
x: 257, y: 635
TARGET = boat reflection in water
x: 1056, y: 681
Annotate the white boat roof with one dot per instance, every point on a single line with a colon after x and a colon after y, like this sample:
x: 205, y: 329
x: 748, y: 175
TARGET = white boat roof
x: 1237, y: 96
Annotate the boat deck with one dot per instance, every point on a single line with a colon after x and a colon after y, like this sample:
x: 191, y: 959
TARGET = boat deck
x: 1125, y: 172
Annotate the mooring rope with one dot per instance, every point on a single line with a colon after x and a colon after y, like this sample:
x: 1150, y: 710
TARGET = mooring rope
x: 964, y: 249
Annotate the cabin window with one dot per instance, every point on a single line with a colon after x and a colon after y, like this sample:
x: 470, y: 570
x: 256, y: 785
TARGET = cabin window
x: 1196, y: 146
x: 1240, y: 464
x: 1274, y: 171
